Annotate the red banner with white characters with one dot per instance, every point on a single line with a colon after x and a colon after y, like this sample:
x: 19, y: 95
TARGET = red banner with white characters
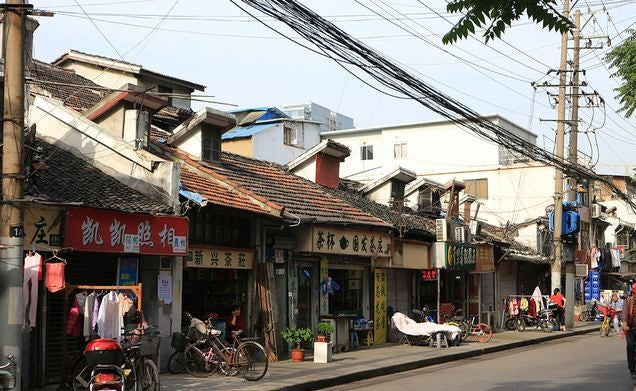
x: 99, y: 230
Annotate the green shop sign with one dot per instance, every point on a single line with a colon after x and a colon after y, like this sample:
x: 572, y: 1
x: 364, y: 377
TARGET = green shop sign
x: 460, y: 256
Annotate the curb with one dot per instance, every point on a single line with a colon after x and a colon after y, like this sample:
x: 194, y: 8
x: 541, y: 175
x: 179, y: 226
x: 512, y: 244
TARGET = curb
x: 409, y: 366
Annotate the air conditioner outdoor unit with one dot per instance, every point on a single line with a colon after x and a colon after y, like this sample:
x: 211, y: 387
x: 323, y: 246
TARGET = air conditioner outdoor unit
x: 474, y: 227
x: 460, y: 234
x: 596, y: 211
x: 441, y: 230
x: 581, y: 270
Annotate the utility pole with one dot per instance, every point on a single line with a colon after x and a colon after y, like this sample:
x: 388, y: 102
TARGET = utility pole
x: 558, y: 175
x: 570, y: 268
x: 11, y: 212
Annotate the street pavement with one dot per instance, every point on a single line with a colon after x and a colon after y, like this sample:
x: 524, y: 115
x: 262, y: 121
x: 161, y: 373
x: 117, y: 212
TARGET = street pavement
x: 372, y: 362
x: 581, y: 363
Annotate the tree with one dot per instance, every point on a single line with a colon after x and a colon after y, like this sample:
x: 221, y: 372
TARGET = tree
x: 499, y: 14
x: 623, y: 59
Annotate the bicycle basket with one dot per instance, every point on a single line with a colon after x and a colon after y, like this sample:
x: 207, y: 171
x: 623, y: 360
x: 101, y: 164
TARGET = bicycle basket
x: 178, y: 341
x: 149, y: 345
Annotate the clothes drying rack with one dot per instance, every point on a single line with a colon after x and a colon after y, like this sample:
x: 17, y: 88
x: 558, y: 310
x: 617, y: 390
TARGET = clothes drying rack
x: 136, y: 289
x: 544, y: 301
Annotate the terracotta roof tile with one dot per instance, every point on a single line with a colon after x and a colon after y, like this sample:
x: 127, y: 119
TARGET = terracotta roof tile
x: 197, y: 181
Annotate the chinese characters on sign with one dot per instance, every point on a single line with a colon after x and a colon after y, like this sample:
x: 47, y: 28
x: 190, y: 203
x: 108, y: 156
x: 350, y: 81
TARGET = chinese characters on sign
x: 380, y: 320
x: 429, y: 274
x: 485, y: 259
x: 324, y: 275
x: 460, y: 256
x: 220, y: 258
x: 42, y: 228
x: 350, y: 242
x: 164, y: 287
x: 119, y: 232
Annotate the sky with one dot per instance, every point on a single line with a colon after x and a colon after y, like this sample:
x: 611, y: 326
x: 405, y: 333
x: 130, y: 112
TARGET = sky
x: 243, y: 62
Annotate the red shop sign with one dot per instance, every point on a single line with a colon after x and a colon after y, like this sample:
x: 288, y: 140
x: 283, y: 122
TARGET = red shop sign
x: 429, y: 274
x: 109, y: 231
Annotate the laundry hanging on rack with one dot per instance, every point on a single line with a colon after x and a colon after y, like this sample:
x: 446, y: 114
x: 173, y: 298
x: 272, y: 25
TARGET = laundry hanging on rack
x: 89, y: 329
x: 30, y: 283
x: 55, y: 279
x: 75, y: 319
x: 109, y: 318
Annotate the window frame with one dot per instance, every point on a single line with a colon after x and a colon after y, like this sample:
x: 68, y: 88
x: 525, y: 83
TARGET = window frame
x: 366, y: 152
x: 293, y: 136
x: 474, y: 188
x: 403, y: 147
x: 210, y: 145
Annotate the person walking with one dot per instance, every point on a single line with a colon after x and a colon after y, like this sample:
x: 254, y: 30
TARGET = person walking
x: 629, y: 329
x: 559, y: 314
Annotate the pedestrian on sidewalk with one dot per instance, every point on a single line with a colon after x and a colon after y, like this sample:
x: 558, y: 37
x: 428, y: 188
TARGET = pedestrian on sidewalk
x: 559, y: 313
x: 617, y: 305
x: 629, y: 329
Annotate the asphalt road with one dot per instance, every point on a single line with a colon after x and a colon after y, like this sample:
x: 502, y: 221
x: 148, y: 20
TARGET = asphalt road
x: 581, y: 363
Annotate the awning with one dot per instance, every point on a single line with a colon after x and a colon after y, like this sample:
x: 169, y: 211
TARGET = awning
x: 192, y: 196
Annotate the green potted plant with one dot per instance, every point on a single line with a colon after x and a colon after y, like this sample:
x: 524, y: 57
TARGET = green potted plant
x: 324, y: 331
x: 294, y: 337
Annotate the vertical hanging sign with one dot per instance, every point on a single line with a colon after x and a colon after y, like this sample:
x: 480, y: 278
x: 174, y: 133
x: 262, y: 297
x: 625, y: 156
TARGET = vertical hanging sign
x: 380, y: 321
x: 324, y: 276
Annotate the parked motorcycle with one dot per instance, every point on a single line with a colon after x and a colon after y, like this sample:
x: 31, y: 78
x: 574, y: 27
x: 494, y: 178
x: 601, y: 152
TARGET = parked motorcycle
x: 591, y: 313
x: 8, y: 374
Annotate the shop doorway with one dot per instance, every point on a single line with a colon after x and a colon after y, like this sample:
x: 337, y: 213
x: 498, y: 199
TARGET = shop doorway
x: 303, y: 310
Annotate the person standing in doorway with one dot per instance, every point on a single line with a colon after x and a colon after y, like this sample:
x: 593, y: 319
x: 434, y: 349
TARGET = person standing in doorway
x: 629, y: 329
x: 559, y: 314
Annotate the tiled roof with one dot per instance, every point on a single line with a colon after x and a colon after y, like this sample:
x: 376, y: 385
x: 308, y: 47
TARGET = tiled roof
x: 198, y: 181
x: 68, y: 178
x: 349, y: 191
x: 276, y: 188
x: 78, y: 99
x: 300, y: 197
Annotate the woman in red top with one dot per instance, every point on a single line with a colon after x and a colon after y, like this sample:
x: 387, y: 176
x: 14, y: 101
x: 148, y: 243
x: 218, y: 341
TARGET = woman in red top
x: 559, y: 314
x: 235, y: 324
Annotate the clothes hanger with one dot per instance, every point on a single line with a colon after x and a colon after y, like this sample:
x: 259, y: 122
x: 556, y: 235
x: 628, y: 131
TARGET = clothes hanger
x: 55, y: 257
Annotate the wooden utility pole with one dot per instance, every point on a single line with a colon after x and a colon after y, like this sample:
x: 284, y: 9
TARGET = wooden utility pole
x: 558, y: 176
x: 11, y: 211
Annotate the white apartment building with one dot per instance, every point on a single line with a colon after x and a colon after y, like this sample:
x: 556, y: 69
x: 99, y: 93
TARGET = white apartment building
x: 310, y: 111
x: 508, y: 188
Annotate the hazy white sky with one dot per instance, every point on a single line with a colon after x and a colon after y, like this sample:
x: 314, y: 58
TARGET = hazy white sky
x: 242, y: 62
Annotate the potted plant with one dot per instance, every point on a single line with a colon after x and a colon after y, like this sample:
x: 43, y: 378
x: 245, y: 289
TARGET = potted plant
x: 324, y: 331
x: 294, y: 337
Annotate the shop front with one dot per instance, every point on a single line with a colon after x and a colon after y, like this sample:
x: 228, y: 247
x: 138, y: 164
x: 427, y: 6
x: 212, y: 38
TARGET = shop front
x: 102, y: 252
x: 338, y: 275
x: 216, y: 278
x: 459, y: 285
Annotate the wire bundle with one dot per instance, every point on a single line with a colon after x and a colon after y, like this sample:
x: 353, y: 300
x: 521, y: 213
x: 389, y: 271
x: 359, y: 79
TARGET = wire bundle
x: 332, y: 42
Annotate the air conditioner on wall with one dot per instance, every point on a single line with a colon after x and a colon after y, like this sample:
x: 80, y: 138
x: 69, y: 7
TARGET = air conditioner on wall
x: 460, y: 235
x: 596, y: 211
x: 441, y: 230
x: 581, y: 270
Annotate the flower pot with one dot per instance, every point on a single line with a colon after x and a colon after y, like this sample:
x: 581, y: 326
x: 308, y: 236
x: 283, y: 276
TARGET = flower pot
x: 298, y: 355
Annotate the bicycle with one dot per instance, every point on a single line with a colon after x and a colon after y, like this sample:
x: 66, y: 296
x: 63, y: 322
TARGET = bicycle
x: 206, y: 356
x: 478, y: 332
x: 608, y: 316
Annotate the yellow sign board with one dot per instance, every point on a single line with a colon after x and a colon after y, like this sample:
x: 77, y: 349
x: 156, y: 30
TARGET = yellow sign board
x: 380, y: 321
x: 332, y: 240
x: 42, y: 228
x: 220, y: 258
x: 485, y: 260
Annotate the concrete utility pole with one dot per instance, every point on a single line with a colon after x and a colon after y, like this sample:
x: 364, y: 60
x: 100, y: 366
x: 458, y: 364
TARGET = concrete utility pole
x: 558, y: 176
x: 570, y: 268
x: 11, y: 212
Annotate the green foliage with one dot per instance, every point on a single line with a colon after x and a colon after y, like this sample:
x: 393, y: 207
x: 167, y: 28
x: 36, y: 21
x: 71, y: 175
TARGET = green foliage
x: 623, y: 60
x: 294, y: 337
x: 497, y: 15
x: 324, y: 328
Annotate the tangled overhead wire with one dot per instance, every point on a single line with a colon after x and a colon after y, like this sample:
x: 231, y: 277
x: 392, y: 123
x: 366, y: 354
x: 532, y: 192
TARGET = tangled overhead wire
x: 331, y: 41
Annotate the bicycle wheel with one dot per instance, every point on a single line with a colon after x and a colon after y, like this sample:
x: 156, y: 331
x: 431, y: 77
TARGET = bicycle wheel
x: 481, y: 333
x: 252, y: 360
x: 176, y: 363
x: 585, y: 316
x: 225, y: 363
x: 521, y: 325
x: 510, y: 324
x: 196, y: 362
x: 604, y: 330
x: 149, y: 376
x: 462, y: 326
